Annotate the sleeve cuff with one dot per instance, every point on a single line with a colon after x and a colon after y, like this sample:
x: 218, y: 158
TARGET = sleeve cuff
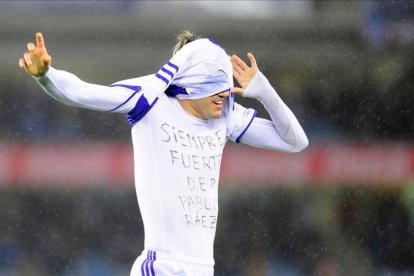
x: 46, y: 75
x: 251, y: 90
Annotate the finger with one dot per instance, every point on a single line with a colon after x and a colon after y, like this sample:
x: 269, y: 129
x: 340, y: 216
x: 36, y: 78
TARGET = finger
x: 30, y: 46
x: 27, y: 58
x: 22, y: 63
x: 237, y: 90
x: 237, y: 74
x: 39, y: 40
x: 236, y: 67
x: 239, y: 62
x: 252, y: 60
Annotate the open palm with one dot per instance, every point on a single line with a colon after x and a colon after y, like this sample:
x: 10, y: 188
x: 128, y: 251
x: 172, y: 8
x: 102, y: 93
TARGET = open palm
x: 242, y: 72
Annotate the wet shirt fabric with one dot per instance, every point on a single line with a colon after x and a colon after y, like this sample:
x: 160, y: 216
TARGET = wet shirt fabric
x: 177, y: 159
x: 177, y: 156
x: 177, y: 164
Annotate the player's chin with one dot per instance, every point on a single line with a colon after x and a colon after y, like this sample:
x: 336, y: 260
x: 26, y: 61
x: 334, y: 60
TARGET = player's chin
x: 216, y: 114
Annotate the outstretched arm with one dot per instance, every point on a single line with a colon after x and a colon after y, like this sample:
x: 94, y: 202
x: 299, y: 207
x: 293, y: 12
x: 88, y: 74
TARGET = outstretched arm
x: 283, y: 133
x: 69, y: 89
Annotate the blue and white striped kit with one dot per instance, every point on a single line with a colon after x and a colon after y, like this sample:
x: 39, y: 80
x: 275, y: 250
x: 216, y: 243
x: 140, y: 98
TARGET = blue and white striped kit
x: 147, y: 266
x: 166, y: 72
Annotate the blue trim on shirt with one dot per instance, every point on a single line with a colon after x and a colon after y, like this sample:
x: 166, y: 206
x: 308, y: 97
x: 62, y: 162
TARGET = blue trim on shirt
x: 132, y: 87
x: 214, y: 42
x: 144, y: 263
x: 174, y: 90
x: 154, y: 258
x: 241, y: 135
x: 173, y: 65
x: 140, y: 110
x: 167, y: 71
x: 162, y: 78
x: 147, y: 266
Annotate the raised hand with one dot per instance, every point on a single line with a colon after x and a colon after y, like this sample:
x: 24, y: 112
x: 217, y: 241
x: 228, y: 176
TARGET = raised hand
x: 36, y: 62
x: 242, y: 72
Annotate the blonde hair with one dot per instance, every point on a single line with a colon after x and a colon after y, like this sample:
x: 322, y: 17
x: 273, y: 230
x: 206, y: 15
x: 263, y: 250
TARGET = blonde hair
x: 182, y: 39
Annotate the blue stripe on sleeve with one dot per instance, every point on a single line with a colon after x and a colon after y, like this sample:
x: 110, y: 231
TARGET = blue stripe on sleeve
x: 173, y: 66
x: 241, y: 134
x: 136, y: 89
x: 162, y: 78
x: 167, y: 71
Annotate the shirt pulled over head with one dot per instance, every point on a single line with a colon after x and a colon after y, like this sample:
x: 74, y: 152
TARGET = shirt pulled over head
x: 200, y: 69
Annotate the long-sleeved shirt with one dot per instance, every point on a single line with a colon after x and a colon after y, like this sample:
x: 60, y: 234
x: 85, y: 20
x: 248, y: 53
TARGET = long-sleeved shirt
x: 177, y: 156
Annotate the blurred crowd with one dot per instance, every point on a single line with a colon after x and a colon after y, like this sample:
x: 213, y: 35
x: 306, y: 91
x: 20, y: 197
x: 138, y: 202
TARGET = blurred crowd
x: 278, y: 231
x: 57, y: 232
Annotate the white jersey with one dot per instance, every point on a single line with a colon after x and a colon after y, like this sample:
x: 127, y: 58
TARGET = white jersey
x: 177, y: 165
x: 177, y: 156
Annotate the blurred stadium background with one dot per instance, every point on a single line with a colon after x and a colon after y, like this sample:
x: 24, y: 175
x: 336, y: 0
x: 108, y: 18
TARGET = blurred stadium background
x: 345, y: 206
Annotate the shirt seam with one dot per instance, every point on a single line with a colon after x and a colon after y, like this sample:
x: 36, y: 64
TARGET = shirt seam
x: 245, y: 129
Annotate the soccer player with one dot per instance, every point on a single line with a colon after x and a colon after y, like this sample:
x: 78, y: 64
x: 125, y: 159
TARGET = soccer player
x: 181, y: 118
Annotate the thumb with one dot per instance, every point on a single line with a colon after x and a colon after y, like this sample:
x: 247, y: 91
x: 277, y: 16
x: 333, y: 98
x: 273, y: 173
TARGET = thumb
x: 47, y: 59
x: 252, y: 61
x: 237, y: 90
